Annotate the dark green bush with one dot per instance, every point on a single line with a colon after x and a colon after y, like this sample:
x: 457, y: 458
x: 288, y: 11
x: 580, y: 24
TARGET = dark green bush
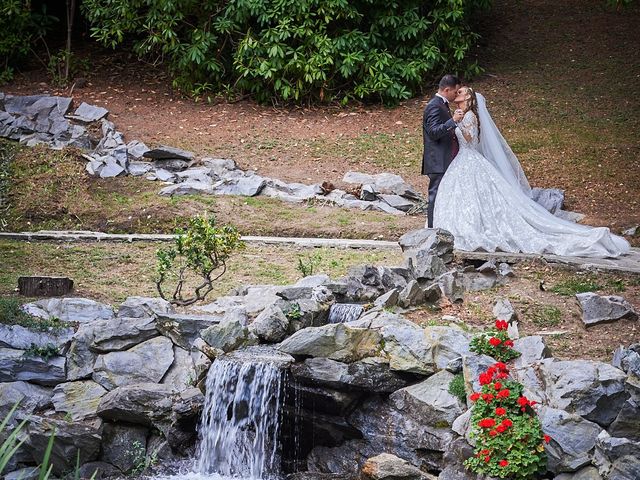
x: 295, y: 50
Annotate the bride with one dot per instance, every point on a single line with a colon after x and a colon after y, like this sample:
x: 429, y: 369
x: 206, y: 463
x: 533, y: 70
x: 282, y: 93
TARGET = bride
x: 484, y: 198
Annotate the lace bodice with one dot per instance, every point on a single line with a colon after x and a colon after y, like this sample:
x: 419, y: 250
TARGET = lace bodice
x: 468, y: 126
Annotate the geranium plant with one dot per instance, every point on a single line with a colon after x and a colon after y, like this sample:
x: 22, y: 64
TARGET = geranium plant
x: 495, y: 343
x: 509, y: 438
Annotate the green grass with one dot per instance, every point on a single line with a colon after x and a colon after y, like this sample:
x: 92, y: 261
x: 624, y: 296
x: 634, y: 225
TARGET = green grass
x: 543, y: 315
x: 575, y: 285
x: 12, y: 314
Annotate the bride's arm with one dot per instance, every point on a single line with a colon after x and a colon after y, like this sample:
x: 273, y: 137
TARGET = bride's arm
x: 469, y: 127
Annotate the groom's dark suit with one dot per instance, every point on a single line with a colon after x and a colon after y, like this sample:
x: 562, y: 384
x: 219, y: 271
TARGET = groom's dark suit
x: 440, y: 146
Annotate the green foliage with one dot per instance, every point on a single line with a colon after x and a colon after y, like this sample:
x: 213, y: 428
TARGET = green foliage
x: 508, y: 435
x: 308, y: 264
x: 456, y: 388
x: 200, y: 252
x: 543, y: 315
x: 293, y: 312
x: 573, y: 286
x: 288, y: 50
x: 11, y: 313
x: 495, y: 343
x: 20, y: 27
x: 11, y: 444
x: 57, y: 65
x: 141, y: 461
x: 45, y: 352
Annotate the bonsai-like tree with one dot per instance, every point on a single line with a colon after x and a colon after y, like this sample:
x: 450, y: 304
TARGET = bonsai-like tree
x: 196, y: 260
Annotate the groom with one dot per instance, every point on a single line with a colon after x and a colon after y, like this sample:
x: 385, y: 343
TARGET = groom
x: 439, y: 138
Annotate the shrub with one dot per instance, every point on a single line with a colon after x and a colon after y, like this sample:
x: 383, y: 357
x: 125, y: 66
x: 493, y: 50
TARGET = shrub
x: 288, y: 50
x: 495, y: 343
x: 509, y: 438
x: 197, y: 260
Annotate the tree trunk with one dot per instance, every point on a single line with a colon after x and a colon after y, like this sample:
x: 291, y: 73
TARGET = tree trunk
x: 71, y: 10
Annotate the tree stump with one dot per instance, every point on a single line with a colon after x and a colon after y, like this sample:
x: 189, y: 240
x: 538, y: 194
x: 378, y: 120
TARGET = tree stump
x: 44, y: 286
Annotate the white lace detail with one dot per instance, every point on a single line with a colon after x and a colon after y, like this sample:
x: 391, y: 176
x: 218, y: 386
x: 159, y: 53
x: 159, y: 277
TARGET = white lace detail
x: 468, y: 126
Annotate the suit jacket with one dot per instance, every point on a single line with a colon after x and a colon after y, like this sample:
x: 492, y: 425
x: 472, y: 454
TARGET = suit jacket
x: 438, y: 137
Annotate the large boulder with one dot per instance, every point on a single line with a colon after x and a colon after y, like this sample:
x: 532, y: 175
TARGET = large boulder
x: 227, y: 336
x: 271, y: 325
x: 183, y: 329
x: 147, y: 404
x: 604, y: 309
x: 627, y: 422
x: 16, y: 365
x: 617, y: 457
x: 447, y: 343
x: 406, y: 346
x: 334, y: 341
x: 427, y: 252
x: 371, y: 374
x: 146, y: 362
x: 586, y: 473
x: 182, y: 373
x: 573, y: 439
x: 80, y: 310
x: 136, y: 307
x: 30, y: 397
x: 124, y: 445
x: 80, y: 357
x: 389, y: 467
x: 21, y: 338
x: 79, y: 400
x: 121, y: 333
x: 532, y: 349
x: 593, y: 390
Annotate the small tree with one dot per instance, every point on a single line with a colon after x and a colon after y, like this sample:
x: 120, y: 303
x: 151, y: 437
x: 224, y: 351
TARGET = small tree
x: 198, y: 258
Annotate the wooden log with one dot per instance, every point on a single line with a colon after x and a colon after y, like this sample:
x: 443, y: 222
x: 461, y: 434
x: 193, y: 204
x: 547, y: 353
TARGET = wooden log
x: 44, y: 286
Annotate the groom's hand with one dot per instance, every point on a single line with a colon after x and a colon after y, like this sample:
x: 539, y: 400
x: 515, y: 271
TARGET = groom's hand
x: 458, y: 115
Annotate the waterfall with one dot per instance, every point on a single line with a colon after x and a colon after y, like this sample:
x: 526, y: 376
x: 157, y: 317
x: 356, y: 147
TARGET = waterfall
x: 344, y: 312
x: 240, y: 424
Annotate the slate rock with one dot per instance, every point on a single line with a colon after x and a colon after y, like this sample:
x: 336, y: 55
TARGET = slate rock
x: 271, y: 325
x: 550, y: 198
x: 187, y: 188
x: 136, y: 149
x: 148, y: 404
x: 427, y: 252
x: 121, y: 333
x: 138, y: 307
x: 78, y: 399
x: 627, y: 422
x: 164, y: 152
x: 227, y: 336
x: 99, y: 470
x: 21, y: 338
x: 184, y: 329
x: 123, y: 445
x: 248, y: 186
x: 389, y: 467
x: 397, y: 202
x: 586, y: 473
x: 30, y: 397
x: 532, y: 349
x: 89, y: 113
x: 503, y: 310
x: 472, y: 366
x: 604, y: 309
x: 16, y: 365
x: 387, y: 300
x: 182, y: 373
x: 79, y: 310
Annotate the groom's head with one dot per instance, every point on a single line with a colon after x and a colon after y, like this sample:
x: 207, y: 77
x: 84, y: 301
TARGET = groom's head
x: 448, y: 87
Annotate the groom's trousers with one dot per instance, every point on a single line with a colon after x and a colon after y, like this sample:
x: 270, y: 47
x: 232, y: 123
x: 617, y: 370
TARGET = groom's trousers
x: 434, y: 183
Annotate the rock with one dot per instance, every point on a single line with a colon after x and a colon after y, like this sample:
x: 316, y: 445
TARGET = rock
x: 31, y: 397
x: 80, y: 310
x: 123, y: 445
x: 26, y: 473
x: 164, y: 152
x: 148, y: 404
x: 187, y: 188
x: 334, y: 341
x: 550, y: 198
x: 344, y: 461
x: 631, y: 232
x: 89, y: 113
x: 603, y: 309
x: 397, y: 202
x: 627, y: 422
x: 315, y: 402
x: 447, y: 344
x: 390, y: 467
x: 136, y: 150
x: 503, y: 310
x: 99, y: 471
x: 271, y: 325
x: 451, y: 285
x: 625, y: 468
x: 370, y: 374
x: 227, y: 336
x: 587, y: 473
x: 572, y: 442
x: 220, y: 166
x: 72, y: 441
x: 182, y: 374
x: 138, y: 307
x: 111, y: 168
x: 505, y: 270
x: 184, y: 329
x: 146, y: 362
x: 253, y: 300
x: 430, y: 400
x: 78, y: 399
x: 477, y: 281
x: 427, y: 251
x: 21, y: 338
x: 161, y: 175
x: 613, y: 452
x: 121, y: 333
x: 16, y: 365
x: 313, y: 280
x: 139, y: 169
x: 532, y: 349
x: 387, y: 300
x: 248, y: 186
x: 407, y: 349
x: 80, y: 358
x: 413, y: 294
x: 318, y: 476
x: 590, y: 389
x: 383, y: 183
x: 472, y: 366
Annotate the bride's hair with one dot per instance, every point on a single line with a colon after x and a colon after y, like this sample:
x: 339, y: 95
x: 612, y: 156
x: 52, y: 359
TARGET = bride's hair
x: 472, y: 104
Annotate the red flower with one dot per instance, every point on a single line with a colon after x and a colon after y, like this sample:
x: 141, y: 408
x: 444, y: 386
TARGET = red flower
x: 507, y: 423
x: 486, y: 423
x: 523, y: 401
x: 501, y: 366
x: 485, y: 378
x: 497, y: 386
x: 487, y: 459
x: 493, y: 433
x: 474, y: 397
x: 504, y: 393
x: 495, y: 341
x: 502, y: 375
x: 484, y: 452
x: 509, y: 343
x: 503, y: 463
x: 502, y: 324
x: 487, y: 397
x: 547, y: 439
x: 500, y: 411
x: 501, y: 428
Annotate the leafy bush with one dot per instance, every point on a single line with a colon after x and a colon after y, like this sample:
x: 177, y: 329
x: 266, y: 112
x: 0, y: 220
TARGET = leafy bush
x: 45, y: 352
x: 291, y: 50
x: 509, y: 438
x: 495, y: 343
x: 197, y: 259
x: 456, y: 388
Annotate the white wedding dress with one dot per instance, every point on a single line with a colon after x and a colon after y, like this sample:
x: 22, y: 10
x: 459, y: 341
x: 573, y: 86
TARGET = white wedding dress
x: 489, y: 210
